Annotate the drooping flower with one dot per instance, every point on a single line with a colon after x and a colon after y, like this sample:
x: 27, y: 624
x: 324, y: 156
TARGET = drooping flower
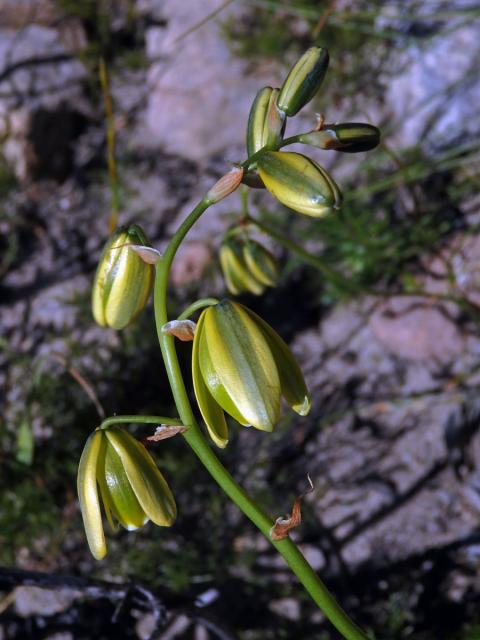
x: 123, y: 280
x: 241, y: 366
x: 117, y: 470
x: 299, y: 183
x: 247, y: 266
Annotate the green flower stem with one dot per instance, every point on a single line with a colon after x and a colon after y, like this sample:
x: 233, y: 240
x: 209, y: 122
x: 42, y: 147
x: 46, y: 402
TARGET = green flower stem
x: 194, y: 437
x: 291, y: 140
x: 108, y: 422
x: 305, y: 256
x: 199, y: 304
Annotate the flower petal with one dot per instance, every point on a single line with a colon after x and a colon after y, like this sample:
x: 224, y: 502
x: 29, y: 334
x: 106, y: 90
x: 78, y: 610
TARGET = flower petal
x: 117, y: 494
x: 211, y: 411
x: 148, y: 484
x: 243, y: 363
x: 292, y: 381
x: 262, y: 264
x: 299, y: 183
x: 88, y: 494
x: 214, y: 384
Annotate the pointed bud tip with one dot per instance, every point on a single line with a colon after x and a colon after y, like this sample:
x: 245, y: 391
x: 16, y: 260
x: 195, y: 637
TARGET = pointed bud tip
x: 303, y: 409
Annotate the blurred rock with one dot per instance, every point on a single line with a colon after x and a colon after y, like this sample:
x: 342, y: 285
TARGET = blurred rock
x: 287, y: 608
x: 422, y: 97
x: 33, y: 600
x: 16, y: 14
x: 412, y: 328
x: 42, y: 108
x: 200, y: 98
x: 190, y: 264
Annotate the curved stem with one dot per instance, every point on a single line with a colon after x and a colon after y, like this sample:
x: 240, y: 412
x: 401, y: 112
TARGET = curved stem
x: 108, y: 422
x: 199, y: 304
x: 200, y: 446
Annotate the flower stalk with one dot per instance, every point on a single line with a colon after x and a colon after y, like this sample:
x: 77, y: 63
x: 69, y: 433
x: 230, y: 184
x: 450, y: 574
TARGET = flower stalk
x: 198, y: 443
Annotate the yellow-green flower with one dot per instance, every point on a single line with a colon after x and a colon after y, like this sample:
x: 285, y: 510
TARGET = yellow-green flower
x: 349, y: 137
x: 247, y: 266
x: 241, y: 366
x: 123, y: 281
x: 303, y: 80
x: 115, y: 466
x: 266, y: 123
x: 299, y: 183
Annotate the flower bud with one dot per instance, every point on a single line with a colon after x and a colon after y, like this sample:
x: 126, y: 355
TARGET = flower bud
x: 241, y: 366
x: 303, y: 81
x: 299, y: 183
x: 261, y: 263
x: 266, y: 123
x: 252, y: 180
x: 132, y: 488
x: 237, y: 275
x: 123, y: 280
x: 350, y: 137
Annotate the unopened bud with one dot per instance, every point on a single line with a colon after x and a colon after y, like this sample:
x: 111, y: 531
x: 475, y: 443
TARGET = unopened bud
x: 123, y: 281
x: 303, y: 81
x: 350, y: 137
x: 253, y: 180
x: 266, y: 123
x: 299, y: 183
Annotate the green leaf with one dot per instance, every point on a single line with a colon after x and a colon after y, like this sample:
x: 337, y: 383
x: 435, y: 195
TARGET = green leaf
x: 25, y: 442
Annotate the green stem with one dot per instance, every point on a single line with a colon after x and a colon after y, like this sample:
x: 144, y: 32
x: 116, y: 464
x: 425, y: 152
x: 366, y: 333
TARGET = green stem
x: 108, y: 422
x: 199, y: 304
x: 305, y: 256
x: 347, y: 285
x: 200, y: 446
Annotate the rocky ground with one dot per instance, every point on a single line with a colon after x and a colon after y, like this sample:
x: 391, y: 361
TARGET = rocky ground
x: 392, y: 445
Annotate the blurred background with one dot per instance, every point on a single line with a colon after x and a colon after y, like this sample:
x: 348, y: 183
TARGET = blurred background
x: 384, y: 316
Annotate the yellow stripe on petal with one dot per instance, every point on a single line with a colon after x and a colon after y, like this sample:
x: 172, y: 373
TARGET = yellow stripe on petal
x: 123, y: 281
x: 148, y: 484
x: 212, y: 413
x: 214, y: 384
x: 292, y: 381
x: 240, y: 273
x: 88, y: 494
x: 243, y: 363
x: 299, y: 183
x: 117, y: 494
x: 261, y: 262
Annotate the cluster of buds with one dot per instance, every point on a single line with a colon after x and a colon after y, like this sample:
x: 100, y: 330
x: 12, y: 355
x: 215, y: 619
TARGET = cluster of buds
x: 247, y: 265
x: 294, y: 179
